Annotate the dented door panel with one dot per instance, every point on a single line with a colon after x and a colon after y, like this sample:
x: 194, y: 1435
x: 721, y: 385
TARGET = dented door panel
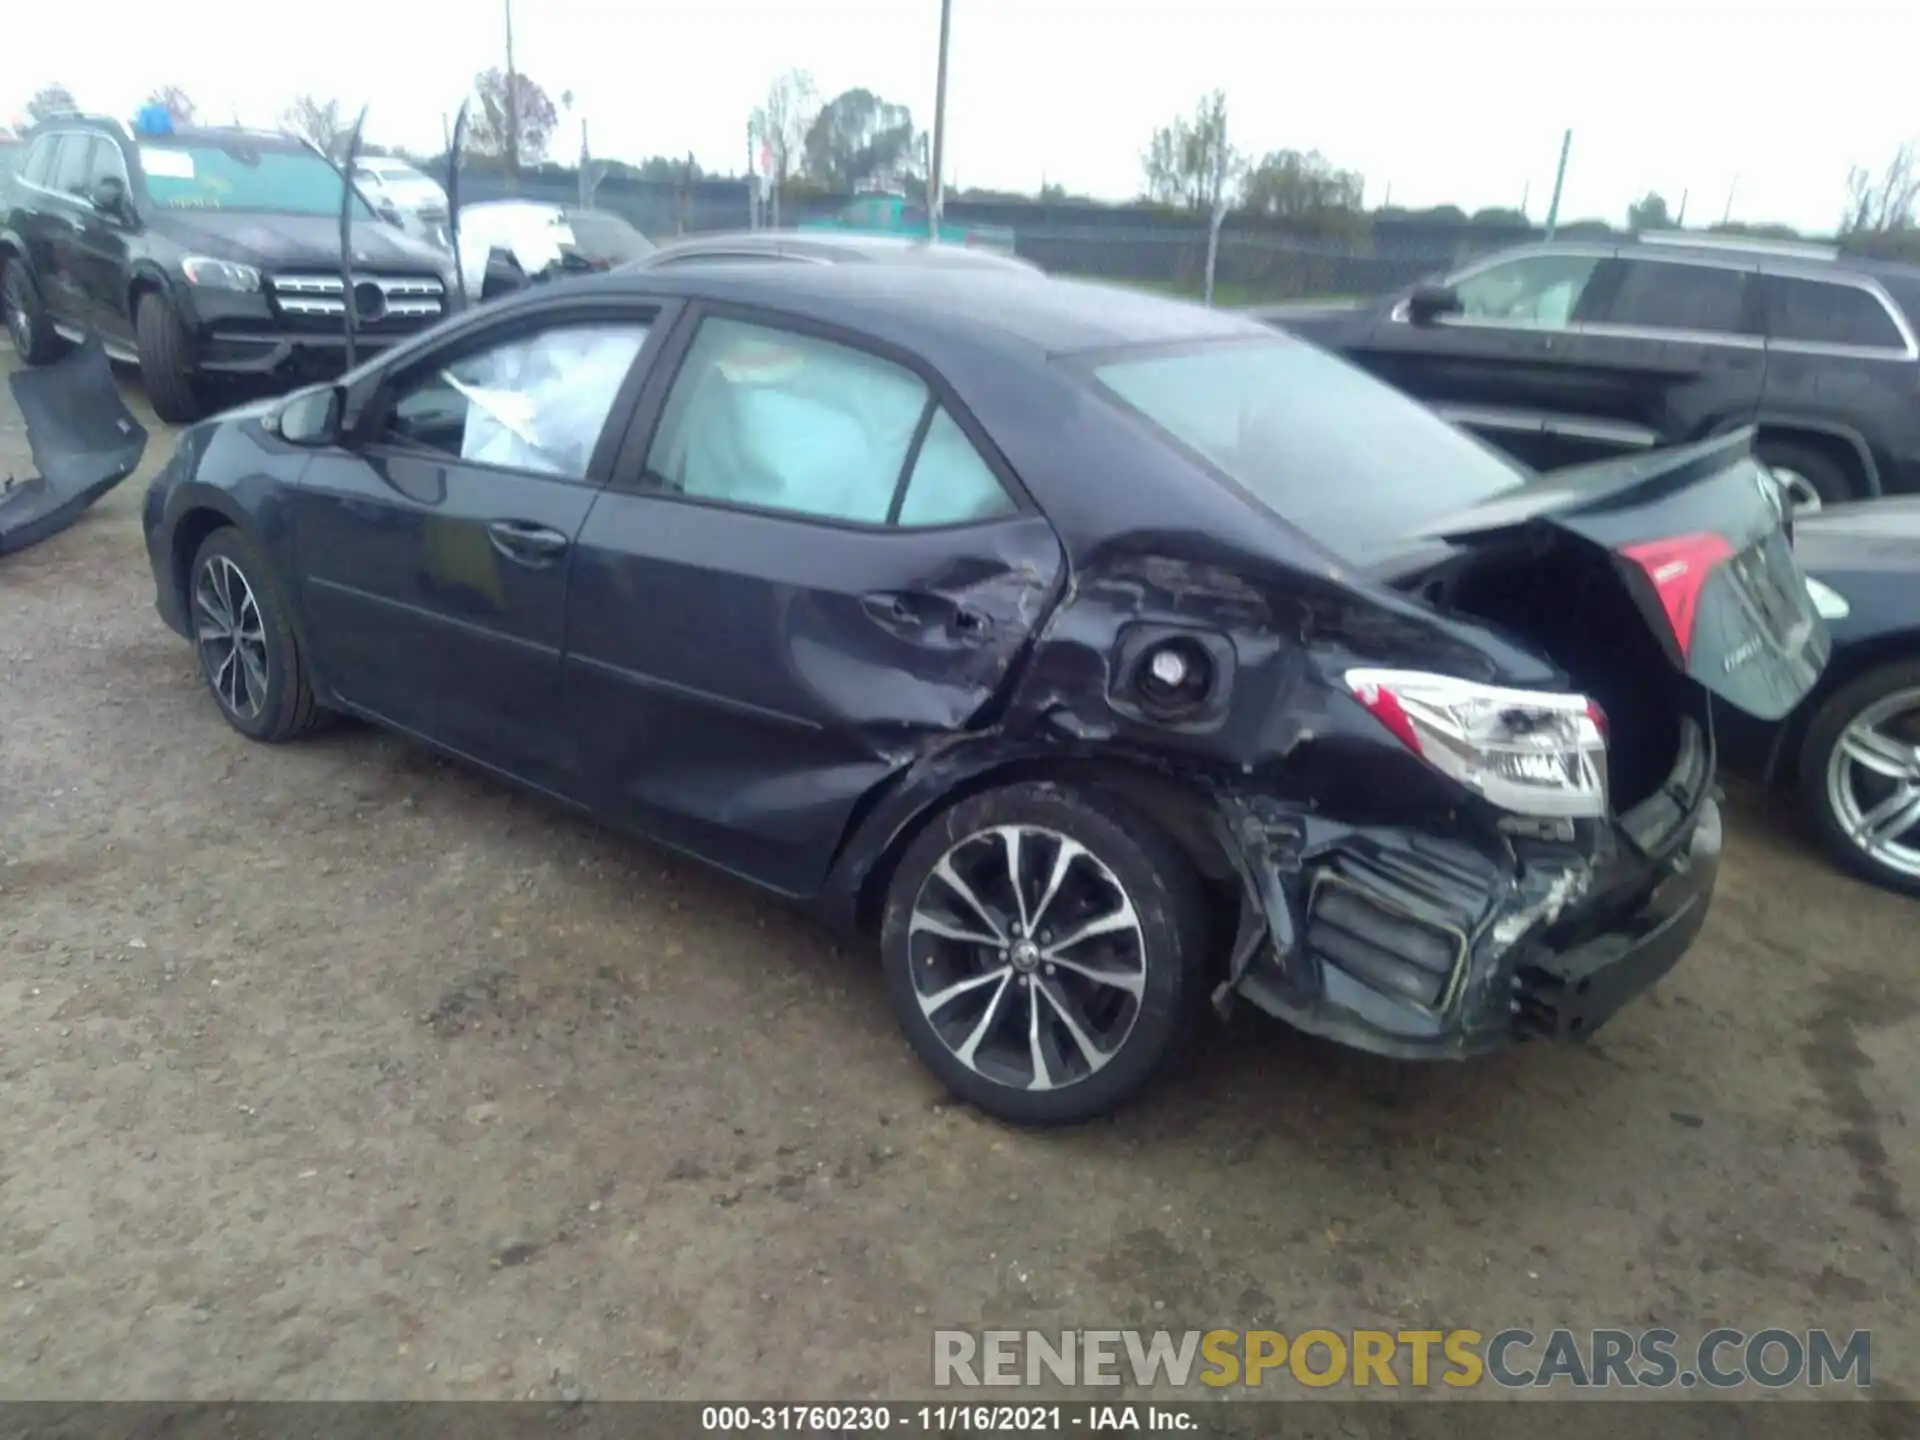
x: 743, y: 680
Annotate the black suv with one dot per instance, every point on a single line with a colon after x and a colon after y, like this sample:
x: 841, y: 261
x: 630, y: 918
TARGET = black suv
x: 201, y: 253
x: 1571, y: 351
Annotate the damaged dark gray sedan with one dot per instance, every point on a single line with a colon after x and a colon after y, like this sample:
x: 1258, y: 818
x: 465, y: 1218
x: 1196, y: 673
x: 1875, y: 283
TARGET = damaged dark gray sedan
x: 1102, y: 655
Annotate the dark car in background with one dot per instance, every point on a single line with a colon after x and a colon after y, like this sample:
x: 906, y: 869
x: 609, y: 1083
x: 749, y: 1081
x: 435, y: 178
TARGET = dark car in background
x: 201, y: 254
x: 1850, y: 750
x: 1565, y: 352
x: 829, y: 247
x: 1097, y: 654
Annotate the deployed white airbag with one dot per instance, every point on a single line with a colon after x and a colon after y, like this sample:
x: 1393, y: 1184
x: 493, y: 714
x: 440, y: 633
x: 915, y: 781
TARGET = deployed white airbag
x: 540, y: 404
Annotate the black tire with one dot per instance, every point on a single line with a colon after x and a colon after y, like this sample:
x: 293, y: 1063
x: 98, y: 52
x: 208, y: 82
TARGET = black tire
x: 166, y: 361
x: 1817, y: 757
x: 285, y: 709
x: 1829, y: 479
x: 1141, y: 1035
x: 23, y: 309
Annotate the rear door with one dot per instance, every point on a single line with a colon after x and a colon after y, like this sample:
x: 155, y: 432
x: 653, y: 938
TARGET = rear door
x: 810, y: 568
x: 433, y: 554
x: 52, y: 223
x: 1672, y: 351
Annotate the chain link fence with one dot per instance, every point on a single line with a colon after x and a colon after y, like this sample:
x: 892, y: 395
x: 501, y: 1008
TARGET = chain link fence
x: 1257, y: 262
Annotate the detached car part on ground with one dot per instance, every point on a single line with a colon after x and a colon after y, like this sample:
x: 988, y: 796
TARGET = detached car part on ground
x: 1851, y: 749
x: 1100, y: 653
x: 203, y: 255
x: 83, y: 442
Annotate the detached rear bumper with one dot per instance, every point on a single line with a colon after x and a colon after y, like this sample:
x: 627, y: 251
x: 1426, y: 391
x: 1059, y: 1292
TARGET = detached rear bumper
x: 1427, y: 947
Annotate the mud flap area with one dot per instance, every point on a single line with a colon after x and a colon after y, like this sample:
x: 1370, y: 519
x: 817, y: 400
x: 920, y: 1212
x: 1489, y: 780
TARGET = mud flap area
x: 83, y: 440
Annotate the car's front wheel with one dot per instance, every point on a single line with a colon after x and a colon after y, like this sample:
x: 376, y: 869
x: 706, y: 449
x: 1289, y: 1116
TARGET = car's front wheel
x: 166, y: 361
x: 25, y: 315
x: 248, y: 654
x: 1860, y: 775
x: 1043, y: 951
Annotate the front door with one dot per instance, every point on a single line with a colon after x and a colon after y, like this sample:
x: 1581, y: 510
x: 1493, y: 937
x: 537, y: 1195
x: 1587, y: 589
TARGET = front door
x: 1511, y: 366
x: 434, y: 552
x: 817, y: 573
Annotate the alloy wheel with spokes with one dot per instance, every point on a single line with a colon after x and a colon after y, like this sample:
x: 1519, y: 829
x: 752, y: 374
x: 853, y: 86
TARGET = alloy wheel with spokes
x: 1038, y: 944
x: 1873, y: 782
x: 230, y: 634
x: 1029, y: 958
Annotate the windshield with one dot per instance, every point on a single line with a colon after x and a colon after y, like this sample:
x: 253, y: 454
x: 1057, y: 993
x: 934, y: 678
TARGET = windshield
x: 243, y: 177
x: 1346, y: 458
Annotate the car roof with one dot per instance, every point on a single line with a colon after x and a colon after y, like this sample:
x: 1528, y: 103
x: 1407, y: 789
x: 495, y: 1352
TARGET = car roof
x: 840, y: 246
x: 921, y: 307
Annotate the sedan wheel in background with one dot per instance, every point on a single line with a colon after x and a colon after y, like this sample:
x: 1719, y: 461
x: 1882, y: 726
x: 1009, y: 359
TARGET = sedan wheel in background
x: 1809, y: 478
x: 245, y: 643
x: 1860, y: 775
x: 1043, y: 947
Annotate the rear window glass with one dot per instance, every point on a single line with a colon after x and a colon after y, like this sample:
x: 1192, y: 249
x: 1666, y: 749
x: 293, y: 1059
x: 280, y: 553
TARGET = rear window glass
x: 1659, y: 296
x: 1347, y: 459
x: 1817, y: 313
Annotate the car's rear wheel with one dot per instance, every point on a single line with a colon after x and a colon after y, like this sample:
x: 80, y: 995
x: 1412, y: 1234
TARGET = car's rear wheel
x: 25, y: 315
x: 1043, y: 951
x: 245, y: 641
x: 166, y: 361
x: 1860, y: 775
x: 1810, y: 478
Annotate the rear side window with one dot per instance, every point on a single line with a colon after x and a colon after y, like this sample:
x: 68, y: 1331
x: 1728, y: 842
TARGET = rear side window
x: 1653, y: 295
x: 1346, y: 458
x: 777, y: 421
x: 1819, y: 313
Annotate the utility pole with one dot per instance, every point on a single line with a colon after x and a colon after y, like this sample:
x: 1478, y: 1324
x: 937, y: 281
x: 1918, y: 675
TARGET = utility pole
x: 1680, y: 220
x: 1726, y: 215
x: 513, y: 106
x: 1559, y: 179
x: 938, y: 198
x: 1526, y: 193
x: 1219, y: 207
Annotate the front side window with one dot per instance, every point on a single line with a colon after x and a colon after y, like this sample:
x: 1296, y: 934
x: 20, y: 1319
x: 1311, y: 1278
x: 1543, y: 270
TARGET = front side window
x: 1661, y: 295
x: 74, y: 165
x: 1533, y: 290
x: 1820, y: 313
x: 241, y: 176
x: 536, y: 403
x: 1346, y: 458
x: 778, y: 421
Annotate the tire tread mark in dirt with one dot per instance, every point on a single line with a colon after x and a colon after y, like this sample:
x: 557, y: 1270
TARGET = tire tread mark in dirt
x: 1832, y: 1052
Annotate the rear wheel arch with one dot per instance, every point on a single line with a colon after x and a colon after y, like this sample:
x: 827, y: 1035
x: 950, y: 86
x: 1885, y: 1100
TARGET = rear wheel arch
x: 1842, y: 448
x: 1841, y: 671
x: 1176, y: 808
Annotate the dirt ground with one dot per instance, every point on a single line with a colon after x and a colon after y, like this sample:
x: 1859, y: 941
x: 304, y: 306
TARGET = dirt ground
x: 333, y: 1071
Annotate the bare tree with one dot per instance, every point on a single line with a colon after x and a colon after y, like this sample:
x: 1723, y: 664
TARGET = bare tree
x: 782, y: 123
x: 533, y: 118
x: 1189, y: 162
x: 51, y: 100
x: 321, y: 121
x: 1885, y: 204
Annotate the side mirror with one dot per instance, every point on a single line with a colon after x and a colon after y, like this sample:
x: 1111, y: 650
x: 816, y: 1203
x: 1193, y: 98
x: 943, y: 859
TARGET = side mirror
x: 1428, y: 303
x: 108, y: 195
x: 311, y: 418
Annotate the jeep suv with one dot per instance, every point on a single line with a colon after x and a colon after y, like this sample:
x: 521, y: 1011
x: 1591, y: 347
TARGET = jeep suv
x: 202, y: 253
x: 1571, y: 351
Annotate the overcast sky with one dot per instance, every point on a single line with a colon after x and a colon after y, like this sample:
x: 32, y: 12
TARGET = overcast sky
x: 1461, y: 102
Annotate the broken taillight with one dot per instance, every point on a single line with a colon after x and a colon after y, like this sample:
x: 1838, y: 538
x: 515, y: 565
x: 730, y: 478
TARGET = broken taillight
x: 1531, y: 752
x: 1678, y: 568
